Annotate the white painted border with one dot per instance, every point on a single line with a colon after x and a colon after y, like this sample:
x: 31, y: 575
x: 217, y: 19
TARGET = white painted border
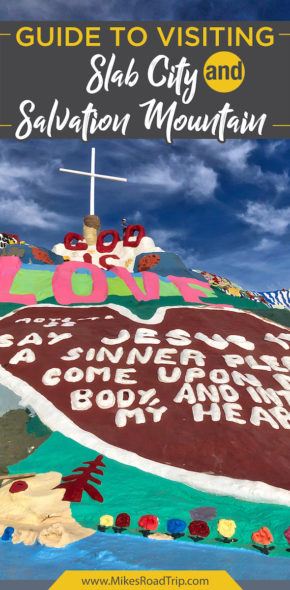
x: 242, y: 489
x: 158, y: 316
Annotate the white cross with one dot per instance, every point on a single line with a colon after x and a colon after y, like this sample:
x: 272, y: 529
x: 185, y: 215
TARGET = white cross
x: 93, y: 175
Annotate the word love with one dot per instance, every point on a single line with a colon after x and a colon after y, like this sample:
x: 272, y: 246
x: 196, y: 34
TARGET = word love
x: 190, y: 289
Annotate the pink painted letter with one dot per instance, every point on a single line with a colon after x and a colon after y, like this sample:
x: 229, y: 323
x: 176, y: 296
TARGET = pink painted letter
x: 188, y: 293
x: 62, y: 284
x: 9, y: 267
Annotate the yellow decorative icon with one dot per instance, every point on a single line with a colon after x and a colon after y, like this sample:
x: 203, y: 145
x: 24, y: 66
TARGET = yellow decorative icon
x: 224, y: 71
x: 226, y: 528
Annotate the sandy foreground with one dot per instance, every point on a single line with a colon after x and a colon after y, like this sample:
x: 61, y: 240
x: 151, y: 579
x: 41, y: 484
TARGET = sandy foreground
x: 38, y: 513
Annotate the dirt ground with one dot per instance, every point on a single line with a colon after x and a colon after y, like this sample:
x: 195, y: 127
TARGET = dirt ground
x: 20, y: 435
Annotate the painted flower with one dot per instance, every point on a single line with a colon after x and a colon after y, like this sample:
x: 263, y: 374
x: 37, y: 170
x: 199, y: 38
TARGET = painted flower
x: 226, y: 528
x: 106, y: 520
x: 263, y: 536
x: 148, y: 261
x: 175, y: 525
x: 123, y: 520
x: 199, y: 528
x: 148, y: 522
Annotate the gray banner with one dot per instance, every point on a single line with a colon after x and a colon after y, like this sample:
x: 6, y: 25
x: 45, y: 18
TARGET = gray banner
x: 47, y: 87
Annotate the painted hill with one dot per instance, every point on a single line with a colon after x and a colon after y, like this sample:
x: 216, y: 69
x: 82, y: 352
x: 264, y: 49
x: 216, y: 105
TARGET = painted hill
x: 153, y: 386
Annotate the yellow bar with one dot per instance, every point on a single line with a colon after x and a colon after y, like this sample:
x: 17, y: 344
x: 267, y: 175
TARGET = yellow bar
x: 146, y: 580
x: 281, y: 125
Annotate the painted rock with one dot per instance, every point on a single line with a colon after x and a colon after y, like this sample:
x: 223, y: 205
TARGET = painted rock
x: 226, y: 528
x: 263, y: 536
x: 191, y: 395
x: 106, y: 520
x: 175, y: 526
x: 199, y: 528
x: 148, y: 522
x: 123, y: 520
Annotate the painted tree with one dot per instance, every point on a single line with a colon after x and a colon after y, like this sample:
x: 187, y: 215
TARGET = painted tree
x: 81, y: 480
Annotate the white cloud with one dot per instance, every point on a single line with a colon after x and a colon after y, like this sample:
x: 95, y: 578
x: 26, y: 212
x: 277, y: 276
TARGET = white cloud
x: 159, y: 174
x: 178, y: 172
x: 24, y: 184
x: 234, y: 157
x: 13, y: 176
x: 169, y: 240
x: 279, y: 182
x: 272, y: 147
x: 266, y: 245
x: 163, y: 237
x: 248, y: 267
x: 265, y: 218
x: 27, y: 212
x: 91, y: 10
x: 22, y: 9
x: 136, y: 217
x: 202, y: 180
x: 193, y: 167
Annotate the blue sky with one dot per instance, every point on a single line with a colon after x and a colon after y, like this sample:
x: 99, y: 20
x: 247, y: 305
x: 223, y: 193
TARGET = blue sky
x: 145, y: 10
x: 223, y: 208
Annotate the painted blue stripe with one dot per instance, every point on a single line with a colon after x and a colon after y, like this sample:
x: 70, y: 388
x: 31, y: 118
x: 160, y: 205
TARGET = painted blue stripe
x: 278, y: 297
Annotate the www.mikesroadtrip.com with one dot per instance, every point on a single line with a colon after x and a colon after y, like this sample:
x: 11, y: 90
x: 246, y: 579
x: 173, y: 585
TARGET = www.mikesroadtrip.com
x: 145, y: 581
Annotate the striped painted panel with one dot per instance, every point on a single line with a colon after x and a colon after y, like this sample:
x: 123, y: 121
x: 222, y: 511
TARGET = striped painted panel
x: 277, y: 298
